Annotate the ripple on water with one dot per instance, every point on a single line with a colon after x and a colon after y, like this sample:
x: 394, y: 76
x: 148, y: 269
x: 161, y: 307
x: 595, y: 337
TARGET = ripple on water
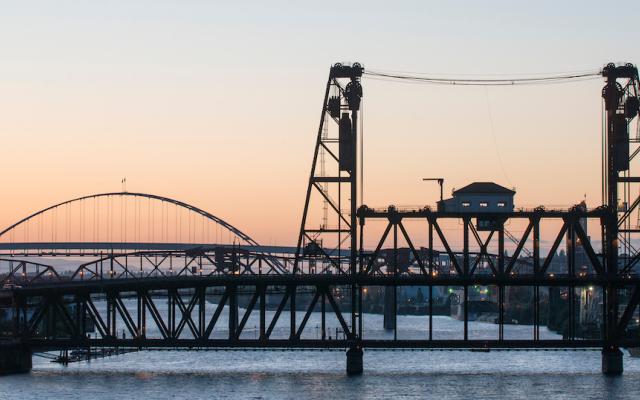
x: 320, y: 374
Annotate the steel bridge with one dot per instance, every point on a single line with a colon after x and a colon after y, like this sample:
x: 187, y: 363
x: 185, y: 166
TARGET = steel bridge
x: 134, y: 270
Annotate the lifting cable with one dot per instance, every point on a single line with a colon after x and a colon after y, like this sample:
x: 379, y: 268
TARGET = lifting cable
x: 437, y: 79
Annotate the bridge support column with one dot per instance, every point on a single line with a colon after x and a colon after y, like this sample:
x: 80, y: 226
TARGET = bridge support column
x: 612, y: 361
x: 354, y: 361
x: 389, y: 307
x: 14, y: 359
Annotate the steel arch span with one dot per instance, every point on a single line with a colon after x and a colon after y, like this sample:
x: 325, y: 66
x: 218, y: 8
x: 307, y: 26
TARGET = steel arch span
x: 23, y: 228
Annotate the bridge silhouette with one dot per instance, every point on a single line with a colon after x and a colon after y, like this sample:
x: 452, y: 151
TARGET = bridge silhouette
x: 141, y: 271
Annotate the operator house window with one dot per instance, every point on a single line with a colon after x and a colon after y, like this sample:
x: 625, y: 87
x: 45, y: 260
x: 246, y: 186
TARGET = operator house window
x: 466, y: 204
x: 501, y: 204
x: 484, y: 204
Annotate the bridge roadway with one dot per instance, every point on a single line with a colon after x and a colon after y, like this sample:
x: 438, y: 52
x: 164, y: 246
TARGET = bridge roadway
x: 62, y: 287
x: 39, y: 247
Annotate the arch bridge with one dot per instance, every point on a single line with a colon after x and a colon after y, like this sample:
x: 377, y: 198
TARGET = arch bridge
x: 134, y: 270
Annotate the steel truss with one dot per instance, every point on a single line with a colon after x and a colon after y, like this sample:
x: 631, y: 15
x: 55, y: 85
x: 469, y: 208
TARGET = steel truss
x: 26, y: 272
x: 56, y: 313
x: 162, y: 312
x: 186, y: 325
x: 403, y: 263
x: 196, y: 262
x: 60, y: 318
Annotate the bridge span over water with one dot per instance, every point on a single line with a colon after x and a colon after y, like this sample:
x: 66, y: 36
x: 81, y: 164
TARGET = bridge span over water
x: 134, y: 270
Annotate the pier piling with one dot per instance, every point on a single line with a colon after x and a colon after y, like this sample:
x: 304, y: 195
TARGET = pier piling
x: 354, y: 361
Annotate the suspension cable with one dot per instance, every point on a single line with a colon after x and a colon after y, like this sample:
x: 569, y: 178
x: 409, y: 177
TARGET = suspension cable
x: 533, y: 79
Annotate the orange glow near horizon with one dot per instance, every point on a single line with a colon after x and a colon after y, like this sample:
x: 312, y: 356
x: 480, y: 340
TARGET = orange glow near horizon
x: 253, y: 172
x: 218, y: 105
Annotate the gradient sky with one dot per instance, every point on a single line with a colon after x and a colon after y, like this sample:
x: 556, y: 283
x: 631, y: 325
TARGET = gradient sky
x: 217, y: 103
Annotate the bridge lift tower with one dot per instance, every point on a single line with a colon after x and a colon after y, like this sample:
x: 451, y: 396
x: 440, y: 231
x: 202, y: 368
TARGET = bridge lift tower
x: 621, y: 95
x: 334, y: 183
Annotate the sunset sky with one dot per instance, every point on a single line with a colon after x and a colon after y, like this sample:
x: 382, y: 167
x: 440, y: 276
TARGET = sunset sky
x: 217, y: 104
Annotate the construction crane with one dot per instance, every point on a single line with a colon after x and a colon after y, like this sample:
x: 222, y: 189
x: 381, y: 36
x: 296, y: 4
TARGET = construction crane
x: 440, y: 182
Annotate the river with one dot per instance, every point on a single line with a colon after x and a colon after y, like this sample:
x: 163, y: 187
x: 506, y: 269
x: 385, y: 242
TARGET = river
x: 320, y: 374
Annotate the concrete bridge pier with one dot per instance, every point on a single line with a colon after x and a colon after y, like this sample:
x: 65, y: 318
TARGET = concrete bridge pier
x: 612, y: 361
x: 15, y: 358
x: 354, y: 361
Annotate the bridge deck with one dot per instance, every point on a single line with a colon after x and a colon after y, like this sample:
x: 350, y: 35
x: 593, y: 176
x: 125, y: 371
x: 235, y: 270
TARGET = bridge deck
x: 34, y: 247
